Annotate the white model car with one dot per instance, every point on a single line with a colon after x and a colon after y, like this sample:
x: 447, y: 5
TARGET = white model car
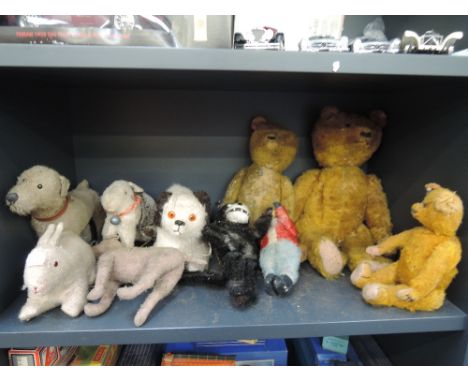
x: 370, y: 45
x: 324, y: 44
x: 429, y: 42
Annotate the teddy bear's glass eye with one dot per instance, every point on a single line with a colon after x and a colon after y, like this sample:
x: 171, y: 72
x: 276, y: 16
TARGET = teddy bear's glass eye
x: 39, y: 186
x: 55, y: 263
x: 171, y: 214
x: 192, y: 217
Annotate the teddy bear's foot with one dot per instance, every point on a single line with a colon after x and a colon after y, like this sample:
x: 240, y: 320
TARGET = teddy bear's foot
x: 332, y: 259
x: 373, y: 292
x: 361, y: 274
x: 95, y: 294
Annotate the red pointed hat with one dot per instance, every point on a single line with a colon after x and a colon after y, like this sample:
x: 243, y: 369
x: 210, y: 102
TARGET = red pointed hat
x: 282, y: 227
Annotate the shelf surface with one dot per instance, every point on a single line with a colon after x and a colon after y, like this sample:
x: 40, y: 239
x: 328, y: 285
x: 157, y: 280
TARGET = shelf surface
x: 124, y: 57
x: 194, y: 313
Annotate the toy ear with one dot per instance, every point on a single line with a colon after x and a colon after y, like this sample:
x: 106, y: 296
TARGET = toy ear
x: 257, y: 122
x: 45, y: 238
x: 448, y: 204
x: 204, y: 199
x: 432, y: 186
x: 378, y: 117
x: 137, y: 189
x: 161, y: 200
x: 64, y: 186
x: 329, y: 112
x: 56, y: 234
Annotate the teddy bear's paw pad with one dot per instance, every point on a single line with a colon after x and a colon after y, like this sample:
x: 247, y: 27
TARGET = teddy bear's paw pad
x: 405, y: 294
x: 332, y: 259
x: 373, y: 250
x: 92, y: 310
x: 140, y: 318
x: 361, y: 274
x: 372, y: 292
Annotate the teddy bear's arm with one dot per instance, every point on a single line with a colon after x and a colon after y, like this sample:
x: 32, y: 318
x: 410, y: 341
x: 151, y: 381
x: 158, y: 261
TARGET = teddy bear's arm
x: 233, y: 190
x: 377, y: 212
x: 302, y: 190
x: 443, y: 259
x: 393, y: 242
x: 287, y: 196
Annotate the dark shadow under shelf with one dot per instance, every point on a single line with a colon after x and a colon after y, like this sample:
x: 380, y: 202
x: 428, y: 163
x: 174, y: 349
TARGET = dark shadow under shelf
x: 193, y: 313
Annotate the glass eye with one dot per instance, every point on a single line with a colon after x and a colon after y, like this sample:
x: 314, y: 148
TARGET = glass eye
x: 171, y: 214
x: 192, y: 217
x: 39, y: 186
x: 56, y: 264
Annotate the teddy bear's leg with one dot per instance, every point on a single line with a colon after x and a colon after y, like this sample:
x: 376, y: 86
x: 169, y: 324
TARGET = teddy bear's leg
x: 366, y: 273
x: 354, y: 246
x: 95, y: 309
x: 105, y: 267
x: 387, y: 295
x: 323, y: 255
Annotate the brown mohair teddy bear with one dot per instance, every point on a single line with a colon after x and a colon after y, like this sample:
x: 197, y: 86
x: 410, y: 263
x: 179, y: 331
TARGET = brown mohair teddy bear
x: 428, y: 259
x: 272, y: 148
x: 340, y: 210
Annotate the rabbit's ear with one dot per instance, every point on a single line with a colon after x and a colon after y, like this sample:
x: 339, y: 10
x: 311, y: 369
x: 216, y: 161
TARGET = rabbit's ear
x: 56, y: 235
x: 45, y: 238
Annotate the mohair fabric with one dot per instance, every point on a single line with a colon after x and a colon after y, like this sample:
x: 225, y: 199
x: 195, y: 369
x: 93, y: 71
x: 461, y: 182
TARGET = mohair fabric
x: 136, y: 221
x: 339, y: 209
x: 145, y: 268
x: 58, y: 272
x: 429, y: 255
x: 272, y: 149
x: 42, y: 193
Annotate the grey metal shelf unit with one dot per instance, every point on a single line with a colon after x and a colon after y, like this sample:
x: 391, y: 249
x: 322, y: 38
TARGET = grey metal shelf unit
x: 159, y: 116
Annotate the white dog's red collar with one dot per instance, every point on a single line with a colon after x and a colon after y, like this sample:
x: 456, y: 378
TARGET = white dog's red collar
x: 57, y: 215
x: 135, y: 204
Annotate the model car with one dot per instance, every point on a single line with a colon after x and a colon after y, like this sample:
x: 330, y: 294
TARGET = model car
x: 429, y: 42
x: 371, y: 45
x: 324, y: 44
x: 119, y: 22
x: 263, y: 38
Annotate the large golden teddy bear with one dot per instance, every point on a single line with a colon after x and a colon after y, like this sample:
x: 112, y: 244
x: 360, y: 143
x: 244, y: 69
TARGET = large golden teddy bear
x: 340, y: 210
x: 272, y: 148
x: 428, y: 259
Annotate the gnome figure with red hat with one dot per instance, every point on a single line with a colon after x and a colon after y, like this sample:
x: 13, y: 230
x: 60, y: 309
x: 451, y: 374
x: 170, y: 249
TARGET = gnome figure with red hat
x: 280, y: 254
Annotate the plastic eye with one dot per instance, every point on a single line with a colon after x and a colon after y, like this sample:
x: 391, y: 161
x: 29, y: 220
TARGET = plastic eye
x: 171, y: 214
x: 39, y: 186
x: 192, y: 217
x: 56, y: 264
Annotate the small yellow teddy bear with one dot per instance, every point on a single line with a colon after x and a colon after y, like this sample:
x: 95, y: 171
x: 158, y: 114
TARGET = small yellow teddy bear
x: 428, y: 259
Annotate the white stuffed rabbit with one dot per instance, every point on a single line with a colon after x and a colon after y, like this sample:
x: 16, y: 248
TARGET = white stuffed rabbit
x: 58, y: 272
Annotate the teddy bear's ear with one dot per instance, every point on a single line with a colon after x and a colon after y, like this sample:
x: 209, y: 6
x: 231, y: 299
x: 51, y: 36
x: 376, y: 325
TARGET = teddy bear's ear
x: 64, y: 186
x: 137, y: 189
x: 378, y: 117
x: 329, y: 112
x: 432, y: 186
x: 257, y: 122
x: 448, y: 203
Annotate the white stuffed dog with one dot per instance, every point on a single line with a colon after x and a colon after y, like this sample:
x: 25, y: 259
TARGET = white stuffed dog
x: 180, y: 218
x: 130, y: 213
x: 42, y: 193
x: 58, y: 272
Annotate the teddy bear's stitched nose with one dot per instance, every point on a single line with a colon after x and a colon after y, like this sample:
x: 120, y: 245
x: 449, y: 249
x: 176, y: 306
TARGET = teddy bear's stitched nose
x: 366, y: 134
x: 271, y: 136
x: 11, y: 198
x: 179, y: 223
